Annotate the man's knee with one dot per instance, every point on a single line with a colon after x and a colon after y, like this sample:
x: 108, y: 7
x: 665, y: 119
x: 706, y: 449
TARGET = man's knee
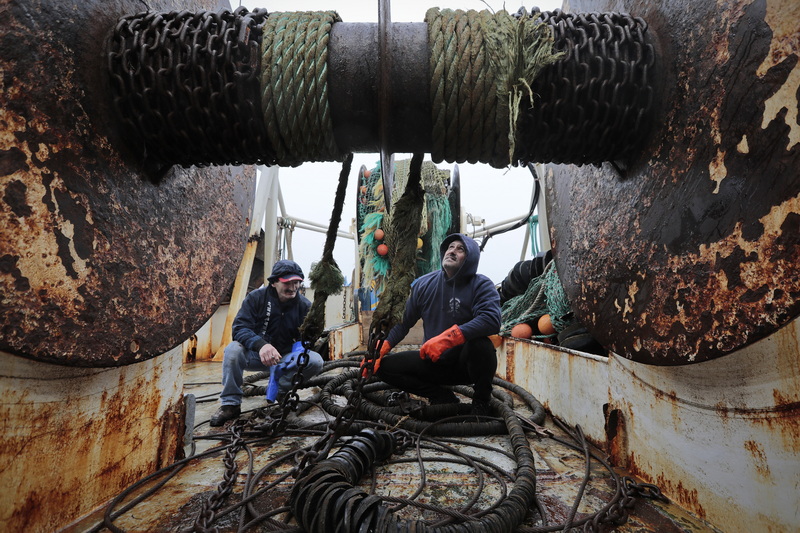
x: 233, y: 355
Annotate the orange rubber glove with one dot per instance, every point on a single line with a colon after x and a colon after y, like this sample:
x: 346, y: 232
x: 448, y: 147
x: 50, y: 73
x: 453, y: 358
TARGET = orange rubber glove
x: 385, y: 347
x: 435, y: 346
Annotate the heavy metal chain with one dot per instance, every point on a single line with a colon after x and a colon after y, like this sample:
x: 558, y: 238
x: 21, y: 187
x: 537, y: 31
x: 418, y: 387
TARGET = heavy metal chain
x: 618, y: 512
x: 276, y: 426
x: 320, y: 449
x: 272, y: 427
x: 186, y: 85
x: 595, y: 103
x: 208, y: 511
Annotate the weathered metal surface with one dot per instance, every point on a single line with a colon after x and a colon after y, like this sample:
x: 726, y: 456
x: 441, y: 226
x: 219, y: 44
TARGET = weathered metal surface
x: 694, y: 251
x: 572, y: 387
x: 356, y: 102
x: 104, y: 260
x: 721, y: 438
x: 75, y: 437
x: 559, y: 471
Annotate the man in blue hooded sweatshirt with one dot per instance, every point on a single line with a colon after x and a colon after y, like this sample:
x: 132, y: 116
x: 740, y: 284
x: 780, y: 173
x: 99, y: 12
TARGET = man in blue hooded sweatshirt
x: 459, y: 309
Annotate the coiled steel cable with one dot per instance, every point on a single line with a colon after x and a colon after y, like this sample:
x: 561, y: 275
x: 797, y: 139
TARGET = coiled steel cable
x: 336, y: 494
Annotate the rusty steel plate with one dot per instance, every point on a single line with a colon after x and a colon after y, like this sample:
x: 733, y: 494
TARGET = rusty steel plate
x: 694, y: 250
x: 104, y: 261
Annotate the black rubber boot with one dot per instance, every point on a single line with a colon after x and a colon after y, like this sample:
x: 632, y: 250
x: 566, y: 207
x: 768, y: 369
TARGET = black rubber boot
x: 225, y: 413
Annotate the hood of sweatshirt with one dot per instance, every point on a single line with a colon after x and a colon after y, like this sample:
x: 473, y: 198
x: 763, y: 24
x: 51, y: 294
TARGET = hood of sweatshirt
x: 470, y: 266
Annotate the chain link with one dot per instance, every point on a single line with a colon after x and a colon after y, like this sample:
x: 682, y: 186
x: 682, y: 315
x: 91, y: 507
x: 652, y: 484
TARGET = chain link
x: 289, y: 402
x: 594, y: 104
x: 212, y: 504
x: 186, y: 85
x: 617, y: 513
x: 346, y: 417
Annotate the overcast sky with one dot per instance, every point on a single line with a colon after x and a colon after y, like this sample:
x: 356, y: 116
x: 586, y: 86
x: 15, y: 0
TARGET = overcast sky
x: 494, y: 195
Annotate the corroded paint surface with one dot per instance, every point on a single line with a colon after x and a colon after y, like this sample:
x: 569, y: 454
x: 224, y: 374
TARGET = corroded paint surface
x: 104, y: 260
x: 721, y: 437
x: 694, y: 253
x: 75, y: 437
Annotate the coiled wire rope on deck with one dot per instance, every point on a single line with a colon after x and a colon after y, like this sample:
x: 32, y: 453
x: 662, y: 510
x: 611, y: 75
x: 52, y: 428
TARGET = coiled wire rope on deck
x: 333, y: 492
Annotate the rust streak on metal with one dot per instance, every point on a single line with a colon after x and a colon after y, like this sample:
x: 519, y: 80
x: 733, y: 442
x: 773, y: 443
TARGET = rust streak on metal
x: 709, y: 213
x: 510, y: 361
x: 104, y: 259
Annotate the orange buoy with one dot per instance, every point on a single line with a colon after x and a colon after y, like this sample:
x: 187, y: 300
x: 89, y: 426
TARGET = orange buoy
x: 378, y: 234
x: 546, y: 325
x: 383, y: 249
x: 367, y: 173
x: 522, y: 331
x: 419, y: 243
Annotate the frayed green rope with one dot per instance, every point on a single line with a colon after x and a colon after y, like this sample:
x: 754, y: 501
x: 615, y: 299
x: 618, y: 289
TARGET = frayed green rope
x: 483, y: 65
x: 401, y: 237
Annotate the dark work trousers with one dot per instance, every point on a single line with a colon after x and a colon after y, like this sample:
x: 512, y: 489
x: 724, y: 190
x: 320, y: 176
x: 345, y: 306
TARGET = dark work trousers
x: 473, y: 363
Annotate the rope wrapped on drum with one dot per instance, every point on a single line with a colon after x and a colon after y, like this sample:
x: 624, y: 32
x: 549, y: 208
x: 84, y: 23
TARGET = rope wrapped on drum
x: 482, y: 66
x: 237, y: 87
x: 294, y: 84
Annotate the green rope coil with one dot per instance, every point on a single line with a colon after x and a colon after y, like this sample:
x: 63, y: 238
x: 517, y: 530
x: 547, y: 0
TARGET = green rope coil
x: 294, y: 85
x: 482, y: 66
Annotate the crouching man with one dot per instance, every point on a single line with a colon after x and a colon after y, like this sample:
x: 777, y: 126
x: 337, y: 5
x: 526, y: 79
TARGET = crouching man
x: 265, y: 328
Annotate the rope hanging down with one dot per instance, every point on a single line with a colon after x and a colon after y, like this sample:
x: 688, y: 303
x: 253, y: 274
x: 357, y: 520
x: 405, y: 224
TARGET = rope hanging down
x: 326, y: 277
x: 482, y: 66
x: 401, y: 237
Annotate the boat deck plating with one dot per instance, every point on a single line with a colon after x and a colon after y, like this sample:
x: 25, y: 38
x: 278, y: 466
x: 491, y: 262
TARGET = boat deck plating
x: 449, y: 484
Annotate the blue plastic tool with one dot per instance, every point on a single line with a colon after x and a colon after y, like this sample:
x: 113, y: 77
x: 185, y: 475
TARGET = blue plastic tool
x: 289, y: 362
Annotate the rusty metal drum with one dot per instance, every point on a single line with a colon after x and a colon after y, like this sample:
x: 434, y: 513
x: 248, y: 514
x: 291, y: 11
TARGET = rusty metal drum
x: 106, y: 259
x: 691, y: 249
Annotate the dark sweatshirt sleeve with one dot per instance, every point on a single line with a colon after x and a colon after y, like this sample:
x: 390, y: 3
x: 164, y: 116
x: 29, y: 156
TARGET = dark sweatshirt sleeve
x: 411, y: 316
x: 485, y: 310
x: 246, y: 324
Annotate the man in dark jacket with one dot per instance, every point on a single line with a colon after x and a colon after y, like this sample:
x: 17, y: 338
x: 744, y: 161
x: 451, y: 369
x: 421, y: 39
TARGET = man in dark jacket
x: 459, y: 309
x: 265, y: 328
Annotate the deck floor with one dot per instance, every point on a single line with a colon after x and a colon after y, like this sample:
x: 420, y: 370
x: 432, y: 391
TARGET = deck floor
x: 176, y: 502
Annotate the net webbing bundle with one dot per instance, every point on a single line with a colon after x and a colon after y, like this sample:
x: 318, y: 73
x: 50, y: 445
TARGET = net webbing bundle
x: 433, y: 227
x: 544, y: 295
